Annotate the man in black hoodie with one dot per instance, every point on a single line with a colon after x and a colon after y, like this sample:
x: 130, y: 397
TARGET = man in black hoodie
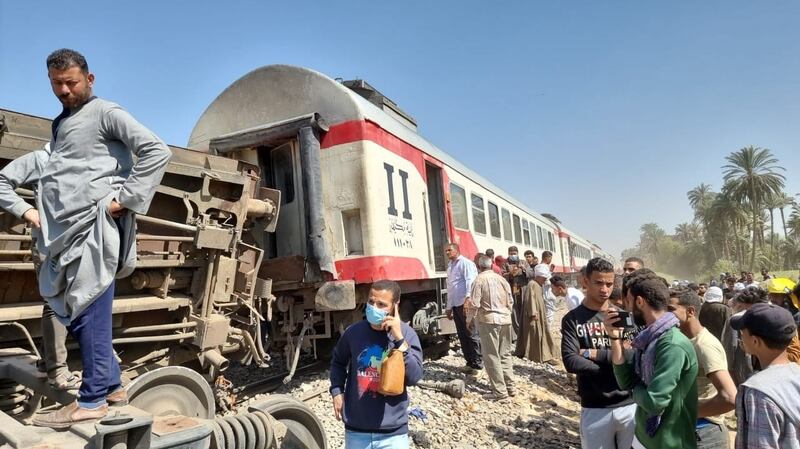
x: 607, y: 412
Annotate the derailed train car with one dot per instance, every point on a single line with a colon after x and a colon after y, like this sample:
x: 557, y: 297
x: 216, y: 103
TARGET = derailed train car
x: 294, y: 193
x: 196, y: 299
x: 364, y: 197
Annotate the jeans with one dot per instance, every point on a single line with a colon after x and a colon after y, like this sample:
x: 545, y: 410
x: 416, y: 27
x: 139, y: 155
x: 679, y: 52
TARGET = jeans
x: 92, y: 330
x: 712, y: 436
x: 363, y: 440
x: 608, y: 428
x: 470, y: 342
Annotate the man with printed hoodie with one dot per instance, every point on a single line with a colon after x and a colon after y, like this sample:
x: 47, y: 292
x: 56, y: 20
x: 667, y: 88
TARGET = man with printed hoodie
x: 371, y: 419
x: 607, y: 411
x: 768, y: 403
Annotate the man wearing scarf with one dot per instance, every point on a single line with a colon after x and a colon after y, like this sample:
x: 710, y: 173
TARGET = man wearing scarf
x: 663, y: 371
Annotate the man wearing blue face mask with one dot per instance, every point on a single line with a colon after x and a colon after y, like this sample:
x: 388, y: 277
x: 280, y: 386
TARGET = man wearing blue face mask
x: 372, y: 420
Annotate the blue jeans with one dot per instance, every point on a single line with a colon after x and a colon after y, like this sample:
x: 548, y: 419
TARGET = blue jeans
x: 92, y: 330
x: 362, y: 440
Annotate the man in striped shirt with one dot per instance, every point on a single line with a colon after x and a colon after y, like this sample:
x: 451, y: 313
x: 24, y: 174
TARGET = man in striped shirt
x: 491, y: 300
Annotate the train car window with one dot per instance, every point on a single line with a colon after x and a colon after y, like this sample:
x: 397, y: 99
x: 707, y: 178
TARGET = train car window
x: 458, y: 202
x: 494, y: 220
x: 507, y: 225
x: 517, y: 229
x: 552, y: 241
x: 526, y: 232
x: 539, y: 235
x: 478, y: 214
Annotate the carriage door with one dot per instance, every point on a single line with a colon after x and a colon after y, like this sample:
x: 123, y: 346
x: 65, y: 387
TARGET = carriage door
x: 290, y: 233
x: 436, y: 207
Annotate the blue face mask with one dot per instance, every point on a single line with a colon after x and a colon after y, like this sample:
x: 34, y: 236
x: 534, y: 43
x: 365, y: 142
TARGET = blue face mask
x: 375, y: 315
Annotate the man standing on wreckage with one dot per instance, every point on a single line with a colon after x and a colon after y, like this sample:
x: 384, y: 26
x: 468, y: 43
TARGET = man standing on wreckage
x: 87, y: 189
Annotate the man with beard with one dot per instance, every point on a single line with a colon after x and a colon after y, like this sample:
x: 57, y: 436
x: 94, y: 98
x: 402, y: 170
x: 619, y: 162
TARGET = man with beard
x: 87, y: 188
x: 607, y: 411
x: 663, y: 371
x: 535, y: 342
x: 716, y: 390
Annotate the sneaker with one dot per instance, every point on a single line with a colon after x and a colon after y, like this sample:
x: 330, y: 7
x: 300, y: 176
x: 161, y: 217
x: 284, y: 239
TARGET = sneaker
x: 495, y: 397
x: 69, y: 415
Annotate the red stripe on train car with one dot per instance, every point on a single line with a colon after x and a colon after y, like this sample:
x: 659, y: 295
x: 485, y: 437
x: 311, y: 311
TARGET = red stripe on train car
x: 355, y: 130
x: 372, y: 268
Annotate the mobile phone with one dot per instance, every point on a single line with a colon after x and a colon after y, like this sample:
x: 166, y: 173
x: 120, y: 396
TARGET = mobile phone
x: 625, y: 319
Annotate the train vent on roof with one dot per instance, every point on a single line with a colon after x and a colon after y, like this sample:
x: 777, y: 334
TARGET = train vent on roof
x: 388, y: 106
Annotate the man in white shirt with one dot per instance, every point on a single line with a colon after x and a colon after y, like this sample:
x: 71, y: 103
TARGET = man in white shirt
x: 572, y: 296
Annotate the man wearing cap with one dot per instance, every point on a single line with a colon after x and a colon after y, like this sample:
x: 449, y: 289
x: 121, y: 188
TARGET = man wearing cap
x: 535, y: 341
x: 714, y: 314
x: 768, y: 405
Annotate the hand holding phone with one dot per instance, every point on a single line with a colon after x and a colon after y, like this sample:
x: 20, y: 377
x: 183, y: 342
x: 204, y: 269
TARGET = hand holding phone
x: 625, y: 320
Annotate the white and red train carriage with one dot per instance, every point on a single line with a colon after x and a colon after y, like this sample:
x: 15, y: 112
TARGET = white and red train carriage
x: 365, y: 197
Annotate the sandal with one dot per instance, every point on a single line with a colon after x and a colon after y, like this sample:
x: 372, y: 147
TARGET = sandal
x: 65, y: 381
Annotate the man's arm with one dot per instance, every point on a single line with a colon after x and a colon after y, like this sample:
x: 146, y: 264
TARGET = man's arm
x: 725, y: 399
x: 763, y: 421
x: 152, y: 157
x: 413, y: 357
x: 574, y: 362
x: 470, y: 273
x: 340, y: 362
x: 21, y: 171
x: 655, y: 397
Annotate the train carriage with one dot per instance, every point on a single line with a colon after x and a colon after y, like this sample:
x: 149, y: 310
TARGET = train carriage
x: 379, y: 200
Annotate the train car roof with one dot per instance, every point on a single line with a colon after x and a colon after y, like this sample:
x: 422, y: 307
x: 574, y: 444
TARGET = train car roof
x: 274, y: 93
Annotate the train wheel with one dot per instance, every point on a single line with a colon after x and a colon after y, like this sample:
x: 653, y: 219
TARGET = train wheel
x: 303, y: 428
x: 172, y: 390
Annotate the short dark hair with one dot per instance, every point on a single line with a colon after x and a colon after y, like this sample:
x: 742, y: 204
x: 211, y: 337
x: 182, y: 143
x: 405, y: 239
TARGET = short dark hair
x: 635, y: 259
x: 490, y: 252
x: 385, y: 285
x: 693, y: 286
x: 597, y: 265
x: 558, y: 280
x: 513, y: 248
x: 703, y: 283
x: 771, y: 343
x: 546, y: 254
x: 688, y: 298
x: 527, y: 252
x: 649, y: 286
x: 64, y: 58
x: 454, y: 246
x: 616, y: 294
x: 751, y: 296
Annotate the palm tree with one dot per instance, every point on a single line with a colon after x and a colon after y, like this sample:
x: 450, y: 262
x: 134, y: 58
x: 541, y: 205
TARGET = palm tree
x: 651, y: 233
x: 700, y: 198
x: 786, y: 201
x: 775, y: 201
x: 688, y: 233
x: 751, y: 175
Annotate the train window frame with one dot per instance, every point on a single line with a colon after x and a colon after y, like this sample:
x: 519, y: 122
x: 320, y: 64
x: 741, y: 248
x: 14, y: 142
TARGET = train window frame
x: 507, y: 227
x: 517, y: 224
x: 480, y: 210
x: 494, y: 220
x: 463, y: 212
x: 526, y: 233
x: 552, y: 241
x: 540, y: 238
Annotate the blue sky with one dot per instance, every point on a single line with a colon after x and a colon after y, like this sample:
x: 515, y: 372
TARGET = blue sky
x: 602, y: 113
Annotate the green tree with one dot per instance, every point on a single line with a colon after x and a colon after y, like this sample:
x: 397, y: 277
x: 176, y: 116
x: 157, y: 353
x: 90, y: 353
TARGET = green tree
x: 752, y: 175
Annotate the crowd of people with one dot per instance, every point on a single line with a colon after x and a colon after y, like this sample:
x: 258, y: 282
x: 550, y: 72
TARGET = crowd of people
x: 657, y: 365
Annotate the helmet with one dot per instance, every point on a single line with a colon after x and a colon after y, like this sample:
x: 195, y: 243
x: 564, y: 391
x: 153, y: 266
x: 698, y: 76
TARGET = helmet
x: 783, y: 286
